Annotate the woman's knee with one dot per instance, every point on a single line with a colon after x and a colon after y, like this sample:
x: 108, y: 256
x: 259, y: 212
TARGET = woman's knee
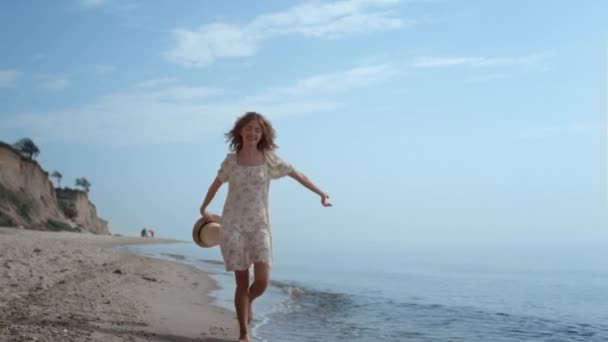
x: 242, y: 280
x: 261, y: 284
x: 262, y: 275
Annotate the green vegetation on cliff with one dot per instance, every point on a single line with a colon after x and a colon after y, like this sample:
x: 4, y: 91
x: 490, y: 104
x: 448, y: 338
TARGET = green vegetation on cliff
x: 57, y: 226
x: 5, y: 220
x: 23, y: 203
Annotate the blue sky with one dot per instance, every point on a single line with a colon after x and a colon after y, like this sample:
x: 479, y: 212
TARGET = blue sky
x: 426, y: 121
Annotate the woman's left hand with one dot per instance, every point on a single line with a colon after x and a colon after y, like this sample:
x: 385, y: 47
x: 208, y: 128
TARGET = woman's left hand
x: 324, y: 198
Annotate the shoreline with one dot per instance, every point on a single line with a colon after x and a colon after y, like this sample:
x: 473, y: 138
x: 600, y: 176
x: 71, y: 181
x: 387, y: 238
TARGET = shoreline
x: 78, y: 287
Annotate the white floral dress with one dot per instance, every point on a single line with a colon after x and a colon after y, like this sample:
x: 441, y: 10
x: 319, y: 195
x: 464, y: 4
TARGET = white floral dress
x: 245, y: 235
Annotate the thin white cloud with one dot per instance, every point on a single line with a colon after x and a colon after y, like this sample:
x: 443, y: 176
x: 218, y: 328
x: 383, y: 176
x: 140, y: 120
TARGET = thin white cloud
x: 37, y: 57
x: 162, y: 110
x: 579, y: 127
x: 180, y: 93
x: 56, y: 84
x: 486, y: 78
x: 93, y: 3
x: 327, y: 20
x: 112, y: 6
x: 103, y: 69
x: 9, y: 78
x: 478, y: 62
x: 202, y: 46
x: 156, y: 82
x: 334, y: 83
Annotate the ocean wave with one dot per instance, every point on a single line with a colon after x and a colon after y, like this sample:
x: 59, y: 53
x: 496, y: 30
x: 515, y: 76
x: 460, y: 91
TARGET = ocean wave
x: 212, y: 262
x: 179, y: 257
x: 306, y: 314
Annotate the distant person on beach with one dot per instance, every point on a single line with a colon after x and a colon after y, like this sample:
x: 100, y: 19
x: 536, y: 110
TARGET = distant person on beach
x: 144, y: 233
x: 245, y: 235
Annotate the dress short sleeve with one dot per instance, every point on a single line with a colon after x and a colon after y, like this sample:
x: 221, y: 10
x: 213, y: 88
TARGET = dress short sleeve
x: 226, y: 168
x: 277, y: 167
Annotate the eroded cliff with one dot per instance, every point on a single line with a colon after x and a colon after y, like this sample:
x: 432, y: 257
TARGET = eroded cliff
x: 29, y: 199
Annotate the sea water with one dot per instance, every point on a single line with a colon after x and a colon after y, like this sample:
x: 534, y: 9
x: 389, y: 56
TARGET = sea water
x: 420, y: 292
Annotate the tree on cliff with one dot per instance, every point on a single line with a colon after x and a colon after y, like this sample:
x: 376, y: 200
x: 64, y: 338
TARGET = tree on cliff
x: 83, y: 183
x: 58, y: 176
x: 27, y: 148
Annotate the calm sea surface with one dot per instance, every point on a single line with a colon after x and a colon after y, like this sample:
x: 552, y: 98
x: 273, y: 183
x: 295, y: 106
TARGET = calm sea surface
x: 400, y: 292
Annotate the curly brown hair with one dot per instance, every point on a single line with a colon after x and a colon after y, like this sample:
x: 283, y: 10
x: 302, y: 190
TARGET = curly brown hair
x: 268, y: 133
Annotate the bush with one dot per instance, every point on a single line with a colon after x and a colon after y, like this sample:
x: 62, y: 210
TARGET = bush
x: 68, y: 207
x: 58, y: 226
x: 23, y: 203
x: 5, y: 220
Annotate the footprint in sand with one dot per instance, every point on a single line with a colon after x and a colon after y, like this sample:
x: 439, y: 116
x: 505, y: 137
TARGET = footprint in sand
x: 214, y: 331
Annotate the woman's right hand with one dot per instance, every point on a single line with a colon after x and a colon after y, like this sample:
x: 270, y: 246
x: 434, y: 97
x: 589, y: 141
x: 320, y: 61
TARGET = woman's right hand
x: 211, y: 217
x: 206, y: 215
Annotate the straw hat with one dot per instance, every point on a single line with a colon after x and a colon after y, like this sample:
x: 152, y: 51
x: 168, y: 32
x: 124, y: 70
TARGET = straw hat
x: 206, y: 233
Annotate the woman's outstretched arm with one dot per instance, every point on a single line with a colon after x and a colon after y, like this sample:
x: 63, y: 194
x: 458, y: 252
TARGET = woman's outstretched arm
x: 302, y: 179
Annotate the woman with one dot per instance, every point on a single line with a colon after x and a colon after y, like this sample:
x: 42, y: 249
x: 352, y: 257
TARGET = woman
x: 245, y: 236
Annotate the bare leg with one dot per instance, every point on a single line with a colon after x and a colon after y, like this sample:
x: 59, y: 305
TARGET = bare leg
x: 241, y: 303
x: 261, y: 273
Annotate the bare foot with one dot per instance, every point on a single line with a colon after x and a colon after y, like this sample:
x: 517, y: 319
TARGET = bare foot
x: 244, y: 338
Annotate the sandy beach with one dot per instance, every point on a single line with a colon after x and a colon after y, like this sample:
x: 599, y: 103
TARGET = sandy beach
x: 77, y: 287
